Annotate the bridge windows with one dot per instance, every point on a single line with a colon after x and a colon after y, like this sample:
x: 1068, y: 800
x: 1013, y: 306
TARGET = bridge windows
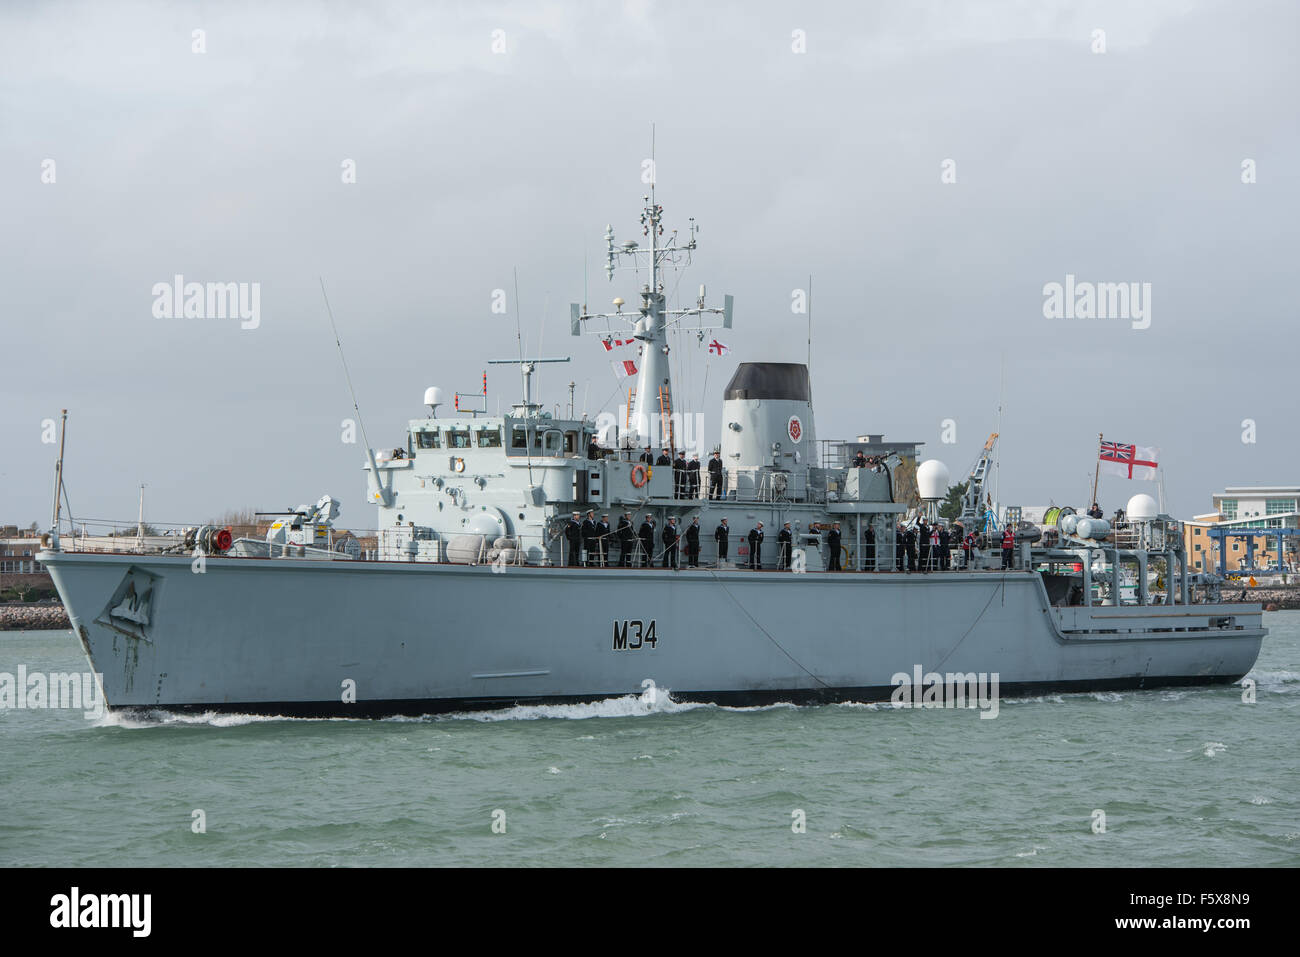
x: 489, y: 438
x: 458, y: 438
x: 518, y: 437
x: 427, y: 440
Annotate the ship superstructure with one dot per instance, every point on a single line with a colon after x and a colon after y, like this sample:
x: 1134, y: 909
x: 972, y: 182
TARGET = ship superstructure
x: 485, y: 589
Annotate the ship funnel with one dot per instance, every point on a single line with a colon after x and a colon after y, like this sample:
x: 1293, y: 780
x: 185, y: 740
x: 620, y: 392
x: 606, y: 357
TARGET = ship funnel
x: 767, y: 417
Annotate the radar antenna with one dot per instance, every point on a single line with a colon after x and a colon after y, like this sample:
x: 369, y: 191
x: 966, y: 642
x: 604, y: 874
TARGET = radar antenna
x: 650, y: 322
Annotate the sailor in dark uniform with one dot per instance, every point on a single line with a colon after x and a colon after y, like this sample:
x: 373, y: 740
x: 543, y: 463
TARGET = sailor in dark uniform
x: 715, y: 475
x: 589, y: 538
x: 603, y: 533
x: 923, y: 543
x: 871, y: 549
x: 693, y: 477
x: 646, y: 533
x: 693, y: 543
x: 721, y: 535
x: 833, y: 543
x: 786, y: 544
x: 663, y: 458
x: 626, y: 539
x: 679, y: 476
x: 756, y: 546
x: 647, y: 457
x: 860, y: 460
x: 1095, y: 511
x: 573, y: 536
x: 670, y: 543
x: 945, y: 556
x: 909, y: 548
x: 593, y: 450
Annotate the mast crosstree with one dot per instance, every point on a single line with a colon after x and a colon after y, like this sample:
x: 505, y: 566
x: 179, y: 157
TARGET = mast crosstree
x: 651, y: 320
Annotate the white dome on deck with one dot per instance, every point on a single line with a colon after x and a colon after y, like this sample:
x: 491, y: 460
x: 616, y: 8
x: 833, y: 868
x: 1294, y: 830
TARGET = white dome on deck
x: 932, y: 479
x: 1141, y: 507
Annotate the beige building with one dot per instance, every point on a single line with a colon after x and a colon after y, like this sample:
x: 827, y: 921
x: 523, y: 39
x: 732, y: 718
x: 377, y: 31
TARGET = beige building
x: 1273, y: 510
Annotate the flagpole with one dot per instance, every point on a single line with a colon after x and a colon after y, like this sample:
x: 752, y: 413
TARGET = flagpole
x: 1097, y: 475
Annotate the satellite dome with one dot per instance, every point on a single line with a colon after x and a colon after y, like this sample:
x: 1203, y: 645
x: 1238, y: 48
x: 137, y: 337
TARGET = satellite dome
x: 1141, y: 508
x: 932, y: 479
x: 433, y: 396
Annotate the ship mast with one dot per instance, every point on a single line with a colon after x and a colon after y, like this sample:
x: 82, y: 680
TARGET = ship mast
x: 654, y: 396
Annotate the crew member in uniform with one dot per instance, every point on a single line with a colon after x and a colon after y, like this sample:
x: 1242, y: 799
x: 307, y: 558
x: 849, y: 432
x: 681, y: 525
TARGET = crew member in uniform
x: 909, y: 548
x: 693, y: 543
x: 693, y: 477
x: 589, y: 537
x: 602, y: 541
x: 626, y: 540
x: 647, y: 457
x: 646, y: 533
x: 860, y: 460
x: 871, y: 549
x: 1095, y: 511
x: 573, y: 535
x: 663, y: 458
x: 923, y: 544
x: 670, y: 543
x: 833, y: 543
x: 679, y: 476
x: 721, y: 535
x: 936, y: 557
x: 593, y: 449
x: 945, y: 557
x: 967, y: 544
x: 756, y: 546
x: 1008, y: 546
x: 715, y: 475
x: 785, y: 540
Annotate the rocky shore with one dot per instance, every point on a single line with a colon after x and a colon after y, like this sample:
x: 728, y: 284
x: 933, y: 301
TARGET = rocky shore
x: 1272, y: 598
x: 15, y: 616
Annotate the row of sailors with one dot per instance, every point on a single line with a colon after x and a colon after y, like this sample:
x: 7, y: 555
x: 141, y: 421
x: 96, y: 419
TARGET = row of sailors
x: 595, y: 540
x: 934, y: 543
x: 686, y: 474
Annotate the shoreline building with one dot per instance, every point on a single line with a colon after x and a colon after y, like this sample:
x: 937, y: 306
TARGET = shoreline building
x: 1252, y: 528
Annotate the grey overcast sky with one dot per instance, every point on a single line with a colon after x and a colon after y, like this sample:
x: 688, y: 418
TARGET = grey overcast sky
x: 227, y: 165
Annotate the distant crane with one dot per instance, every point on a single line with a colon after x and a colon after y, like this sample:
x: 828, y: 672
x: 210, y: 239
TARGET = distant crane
x: 974, y: 498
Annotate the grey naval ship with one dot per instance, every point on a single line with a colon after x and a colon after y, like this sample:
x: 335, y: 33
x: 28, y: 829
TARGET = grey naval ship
x: 485, y: 589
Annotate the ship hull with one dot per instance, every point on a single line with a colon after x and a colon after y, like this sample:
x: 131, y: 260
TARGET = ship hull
x: 296, y: 637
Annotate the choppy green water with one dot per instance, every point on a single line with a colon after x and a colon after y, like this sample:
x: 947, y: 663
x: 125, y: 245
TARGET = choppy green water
x: 1185, y: 777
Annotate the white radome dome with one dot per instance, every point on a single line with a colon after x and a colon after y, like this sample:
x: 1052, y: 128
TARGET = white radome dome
x: 932, y: 479
x: 433, y: 395
x: 1141, y: 507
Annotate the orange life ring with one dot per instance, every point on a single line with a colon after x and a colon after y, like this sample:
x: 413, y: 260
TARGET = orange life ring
x: 639, y: 475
